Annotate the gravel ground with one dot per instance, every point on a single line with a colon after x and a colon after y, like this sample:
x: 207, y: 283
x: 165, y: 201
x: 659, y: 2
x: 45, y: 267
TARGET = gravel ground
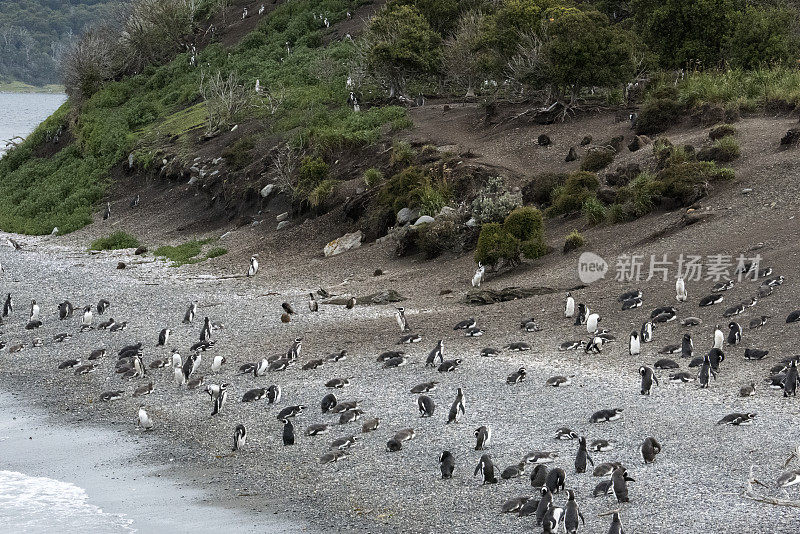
x: 695, y: 485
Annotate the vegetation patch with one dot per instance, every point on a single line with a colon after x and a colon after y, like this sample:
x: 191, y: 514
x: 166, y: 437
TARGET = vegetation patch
x: 186, y: 253
x: 723, y: 150
x: 597, y: 159
x: 573, y: 241
x: 116, y: 241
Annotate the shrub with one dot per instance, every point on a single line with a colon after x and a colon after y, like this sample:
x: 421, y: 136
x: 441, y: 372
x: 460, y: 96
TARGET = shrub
x: 313, y: 171
x: 723, y: 130
x: 540, y: 189
x: 597, y: 159
x: 372, y: 177
x: 495, y: 202
x: 570, y: 197
x: 116, y: 241
x: 182, y: 254
x: 573, y: 241
x: 495, y: 245
x: 686, y: 183
x: 435, y: 238
x: 321, y: 193
x: 617, y: 213
x: 414, y: 188
x: 594, y: 210
x: 432, y: 198
x: 722, y: 151
x: 657, y: 116
x: 237, y: 155
x: 402, y: 154
x: 525, y: 223
x: 216, y: 252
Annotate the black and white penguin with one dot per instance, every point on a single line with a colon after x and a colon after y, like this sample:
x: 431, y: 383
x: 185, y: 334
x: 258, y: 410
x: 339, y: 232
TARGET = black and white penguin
x: 291, y: 411
x: 682, y: 377
x: 8, y: 307
x: 556, y: 480
x: 691, y: 321
x: 748, y: 391
x: 143, y: 420
x: 517, y: 376
x: 288, y: 432
x: 350, y: 416
x: 566, y: 434
x: 483, y: 436
x: 107, y: 212
x: 489, y: 352
x: 313, y: 305
x: 34, y: 315
x: 447, y: 464
x: 205, y: 332
x: 102, y: 306
x: 220, y: 398
x: 592, y: 322
x: 582, y: 456
x: 351, y: 303
x: 370, y: 425
x: 457, y: 408
x: 337, y: 383
x: 274, y: 394
x: 400, y: 317
x: 737, y: 419
x: 634, y: 347
x: 583, y: 314
x: 328, y: 402
x: 476, y: 332
x: 86, y: 319
x: 734, y: 333
x: 791, y: 380
x: 253, y: 270
x: 486, y: 468
x: 514, y: 505
x: 425, y: 387
x: 571, y: 345
x: 572, y: 514
x: 665, y: 364
x: 189, y: 365
x: 569, y: 306
x: 540, y: 457
x: 163, y: 337
x: 426, y: 406
x: 294, y: 349
x: 519, y: 346
x: 619, y: 484
x: 410, y: 338
x: 650, y: 448
x: 239, y: 437
x: 716, y: 356
x: 254, y: 395
x: 687, y: 346
x: 719, y: 337
x: 558, y: 381
x: 706, y: 372
x: 680, y: 290
x: 616, y: 524
x: 758, y: 322
x: 788, y: 478
x: 191, y: 312
x: 552, y: 519
x: 466, y: 324
x: 317, y: 428
x: 545, y: 502
x: 648, y: 379
x: 539, y: 476
x: 601, y: 445
x: 135, y: 201
x: 710, y: 300
x: 646, y: 333
x: 65, y: 310
x: 513, y: 471
x: 437, y: 352
x: 141, y: 391
x: 632, y: 304
x: 106, y: 325
x: 109, y: 396
x: 477, y: 278
x: 602, y: 416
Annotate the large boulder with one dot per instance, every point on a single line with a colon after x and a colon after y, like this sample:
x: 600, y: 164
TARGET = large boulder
x: 791, y: 138
x: 572, y: 155
x: 425, y: 219
x: 267, y: 190
x: 406, y: 216
x: 344, y: 243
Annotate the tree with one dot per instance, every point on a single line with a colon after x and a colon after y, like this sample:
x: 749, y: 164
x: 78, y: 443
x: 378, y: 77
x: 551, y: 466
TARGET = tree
x: 762, y: 36
x: 443, y: 15
x: 461, y: 56
x: 401, y: 44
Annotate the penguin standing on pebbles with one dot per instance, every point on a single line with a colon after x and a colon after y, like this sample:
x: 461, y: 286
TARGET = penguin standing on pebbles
x: 572, y: 514
x: 680, y: 290
x: 582, y: 456
x: 569, y: 306
x: 312, y: 303
x: 447, y: 464
x: 734, y: 333
x: 8, y: 307
x: 437, y: 352
x: 634, y: 348
x: 400, y: 317
x: 86, y: 320
x: 790, y: 382
x: 706, y: 372
x: 591, y: 323
x: 34, y: 311
x: 648, y: 379
x: 544, y: 504
x: 583, y: 313
x: 687, y: 346
x: 483, y: 436
x: 253, y: 265
x: 616, y: 524
x: 719, y: 337
x: 205, y: 332
x: 191, y: 311
x: 239, y: 437
x: 650, y: 448
x: 619, y: 484
x: 426, y: 406
x: 646, y: 333
x: 486, y: 468
x: 288, y: 432
x: 457, y: 409
x: 163, y: 337
x: 552, y: 519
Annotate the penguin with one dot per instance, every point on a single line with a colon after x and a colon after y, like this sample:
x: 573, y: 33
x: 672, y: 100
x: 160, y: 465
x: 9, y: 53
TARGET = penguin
x: 710, y: 300
x: 706, y: 372
x: 86, y: 320
x: 163, y: 337
x: 328, y: 402
x: 178, y: 376
x: 253, y: 395
x: 719, y: 337
x: 513, y: 471
x: 569, y: 306
x: 734, y: 310
x: 274, y: 394
x: 646, y: 333
x: 239, y: 437
x: 600, y: 445
x: 571, y: 345
x: 109, y: 396
x: 602, y: 416
x: 630, y: 295
x: 683, y: 377
x: 650, y: 448
x: 734, y: 333
x: 437, y: 352
x: 447, y: 464
x: 205, y: 332
x: 106, y: 325
x: 486, y: 468
x: 748, y: 390
x: 411, y: 338
x: 343, y: 443
x: 477, y: 278
x: 457, y: 409
x: 189, y: 365
x: 582, y: 457
x: 616, y: 524
x: 619, y: 484
x: 790, y: 382
x: 349, y: 416
x: 552, y: 519
x: 466, y: 324
x: 558, y: 381
x: 141, y: 391
x: 191, y: 311
x: 722, y: 286
x: 716, y: 356
x: 514, y: 505
x: 253, y: 265
x: 424, y: 387
x: 371, y: 425
x: 634, y: 347
x: 143, y: 419
x: 758, y: 322
x: 602, y: 488
x: 107, y: 212
x: 788, y: 478
x: 516, y: 376
x: 687, y: 346
x: 648, y: 379
x: 65, y: 310
x: 102, y: 306
x: 556, y: 480
x: 216, y: 363
x: 565, y: 434
x: 313, y: 305
x: 483, y: 437
x: 337, y: 383
x: 680, y: 290
x: 540, y: 457
x: 539, y: 476
x: 737, y: 419
x: 477, y: 332
x: 176, y: 359
x: 8, y: 307
x: 426, y: 406
x: 400, y: 317
x: 544, y: 504
x: 591, y: 323
x: 119, y: 327
x: 68, y: 364
x: 582, y: 315
x: 34, y: 311
x: 135, y: 201
x: 572, y: 514
x: 351, y: 303
x: 288, y: 432
x: 519, y: 346
x: 316, y: 429
x: 632, y: 304
x: 294, y: 349
x: 691, y: 321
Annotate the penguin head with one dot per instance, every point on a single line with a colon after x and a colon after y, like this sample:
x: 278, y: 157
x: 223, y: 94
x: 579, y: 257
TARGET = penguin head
x: 582, y: 441
x: 570, y: 493
x: 635, y: 335
x: 545, y: 491
x: 643, y: 370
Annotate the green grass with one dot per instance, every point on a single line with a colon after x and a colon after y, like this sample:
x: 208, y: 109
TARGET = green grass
x: 189, y: 252
x: 216, y: 252
x: 116, y: 241
x: 21, y: 87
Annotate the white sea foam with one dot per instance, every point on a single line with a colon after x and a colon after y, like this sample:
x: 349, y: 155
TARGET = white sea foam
x: 39, y: 504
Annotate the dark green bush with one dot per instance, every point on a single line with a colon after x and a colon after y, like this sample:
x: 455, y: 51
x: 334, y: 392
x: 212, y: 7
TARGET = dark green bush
x: 688, y: 182
x: 570, y: 197
x: 573, y: 241
x: 435, y: 238
x: 402, y: 154
x: 372, y: 177
x: 540, y: 189
x: 527, y: 225
x: 313, y: 171
x: 722, y: 151
x: 495, y: 245
x: 414, y: 188
x: 237, y: 155
x: 597, y: 159
x: 116, y: 241
x: 593, y: 210
x: 723, y: 130
x: 657, y: 116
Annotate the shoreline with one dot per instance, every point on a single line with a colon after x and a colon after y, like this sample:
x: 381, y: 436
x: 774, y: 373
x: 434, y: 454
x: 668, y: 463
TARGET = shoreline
x: 117, y: 472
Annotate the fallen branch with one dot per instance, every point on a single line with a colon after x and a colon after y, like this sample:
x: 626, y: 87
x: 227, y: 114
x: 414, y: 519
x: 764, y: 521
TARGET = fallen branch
x: 752, y: 495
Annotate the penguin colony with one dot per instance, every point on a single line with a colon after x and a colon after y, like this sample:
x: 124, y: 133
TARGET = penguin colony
x: 552, y: 504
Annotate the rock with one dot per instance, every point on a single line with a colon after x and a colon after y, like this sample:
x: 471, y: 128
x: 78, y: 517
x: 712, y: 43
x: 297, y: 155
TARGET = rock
x: 490, y: 296
x: 285, y: 318
x: 617, y: 142
x: 693, y: 216
x: 55, y: 231
x: 406, y: 241
x: 587, y: 140
x: 344, y: 243
x: 572, y: 155
x: 607, y: 195
x: 425, y: 219
x: 472, y: 223
x: 445, y: 292
x: 282, y: 225
x: 791, y: 138
x: 447, y: 211
x: 544, y: 140
x: 141, y: 250
x: 267, y: 190
x: 378, y: 272
x: 747, y: 190
x: 193, y: 180
x: 622, y: 175
x: 282, y: 217
x: 406, y: 215
x: 121, y: 265
x: 384, y: 297
x: 638, y: 142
